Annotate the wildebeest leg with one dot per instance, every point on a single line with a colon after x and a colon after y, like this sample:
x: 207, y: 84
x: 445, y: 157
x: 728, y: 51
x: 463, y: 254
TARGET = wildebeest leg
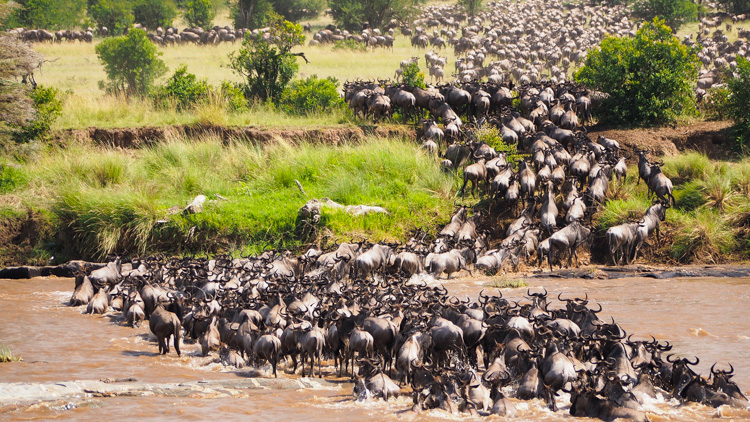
x: 177, y: 340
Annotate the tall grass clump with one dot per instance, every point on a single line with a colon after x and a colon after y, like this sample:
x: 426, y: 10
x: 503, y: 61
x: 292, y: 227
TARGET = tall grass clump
x: 104, y: 221
x: 703, y: 235
x: 689, y: 166
x: 7, y: 356
x: 620, y: 211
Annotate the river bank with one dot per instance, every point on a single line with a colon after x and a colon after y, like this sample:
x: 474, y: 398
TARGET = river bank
x: 99, y: 191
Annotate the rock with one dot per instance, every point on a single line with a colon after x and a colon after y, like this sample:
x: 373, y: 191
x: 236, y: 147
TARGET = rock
x: 196, y: 206
x: 17, y: 273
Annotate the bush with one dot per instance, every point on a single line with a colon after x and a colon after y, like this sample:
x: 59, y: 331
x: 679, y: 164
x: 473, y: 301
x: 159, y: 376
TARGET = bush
x: 131, y: 62
x: 266, y: 68
x: 491, y: 136
x: 311, y: 95
x: 649, y: 77
x: 412, y: 76
x: 739, y: 99
x: 200, y: 13
x: 116, y: 15
x: 153, y: 14
x: 48, y: 107
x: 234, y: 97
x: 182, y: 89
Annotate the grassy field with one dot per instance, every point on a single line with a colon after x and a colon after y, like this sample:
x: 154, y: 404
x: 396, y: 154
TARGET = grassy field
x: 103, y: 200
x: 74, y: 69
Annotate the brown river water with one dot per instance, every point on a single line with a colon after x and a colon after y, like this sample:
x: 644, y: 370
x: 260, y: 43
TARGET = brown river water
x: 707, y: 317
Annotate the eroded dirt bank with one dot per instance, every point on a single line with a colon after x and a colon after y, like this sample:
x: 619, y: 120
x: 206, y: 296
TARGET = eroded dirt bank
x: 142, y: 136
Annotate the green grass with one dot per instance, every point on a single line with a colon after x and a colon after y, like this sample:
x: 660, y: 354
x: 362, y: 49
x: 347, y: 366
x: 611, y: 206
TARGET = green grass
x: 508, y: 283
x: 7, y: 356
x: 74, y: 69
x: 109, y: 200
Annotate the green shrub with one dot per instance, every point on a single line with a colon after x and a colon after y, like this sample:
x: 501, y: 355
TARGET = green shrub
x: 153, y: 14
x: 234, y: 97
x: 491, y: 136
x: 311, y: 95
x: 200, y: 13
x: 116, y: 15
x: 649, y: 77
x: 182, y: 89
x: 131, y: 62
x: 412, y: 76
x: 47, y: 107
x: 739, y: 99
x: 268, y: 68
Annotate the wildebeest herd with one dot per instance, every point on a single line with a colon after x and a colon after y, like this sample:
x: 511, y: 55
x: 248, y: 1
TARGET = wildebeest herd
x: 558, y: 177
x: 396, y: 336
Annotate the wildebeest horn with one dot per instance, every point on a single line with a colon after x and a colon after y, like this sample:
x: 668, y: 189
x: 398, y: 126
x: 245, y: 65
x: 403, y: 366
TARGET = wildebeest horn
x: 669, y: 358
x: 691, y: 363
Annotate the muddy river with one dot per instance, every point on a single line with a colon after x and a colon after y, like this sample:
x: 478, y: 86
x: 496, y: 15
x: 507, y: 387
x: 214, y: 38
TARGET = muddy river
x: 707, y: 317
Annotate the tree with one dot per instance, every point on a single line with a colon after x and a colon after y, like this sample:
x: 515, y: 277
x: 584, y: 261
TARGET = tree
x: 116, y: 15
x: 735, y: 6
x: 266, y: 67
x: 259, y: 13
x: 131, y: 62
x: 649, y: 77
x: 352, y: 14
x: 51, y: 14
x: 252, y: 13
x: 674, y: 12
x: 200, y: 13
x: 294, y: 10
x: 153, y: 14
x: 17, y: 60
x: 472, y: 7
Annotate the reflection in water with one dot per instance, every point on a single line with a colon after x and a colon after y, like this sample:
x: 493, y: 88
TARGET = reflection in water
x: 703, y: 317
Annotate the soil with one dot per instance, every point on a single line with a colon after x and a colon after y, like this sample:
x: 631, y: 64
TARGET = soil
x: 144, y: 136
x: 711, y: 138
